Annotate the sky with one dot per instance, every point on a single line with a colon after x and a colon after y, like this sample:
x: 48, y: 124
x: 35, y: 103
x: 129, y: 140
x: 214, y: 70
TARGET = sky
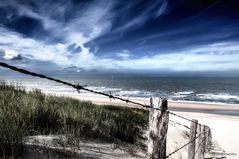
x: 172, y: 36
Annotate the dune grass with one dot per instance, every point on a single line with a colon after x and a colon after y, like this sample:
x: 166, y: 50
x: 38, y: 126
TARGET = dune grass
x: 25, y: 113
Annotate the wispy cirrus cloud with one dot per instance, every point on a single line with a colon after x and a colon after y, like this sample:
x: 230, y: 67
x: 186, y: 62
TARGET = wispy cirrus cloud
x: 151, y: 10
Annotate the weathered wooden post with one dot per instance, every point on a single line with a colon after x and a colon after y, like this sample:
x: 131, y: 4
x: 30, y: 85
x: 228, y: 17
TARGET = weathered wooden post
x: 158, y: 127
x: 192, y: 136
x: 208, y: 138
x: 199, y: 142
x: 204, y: 138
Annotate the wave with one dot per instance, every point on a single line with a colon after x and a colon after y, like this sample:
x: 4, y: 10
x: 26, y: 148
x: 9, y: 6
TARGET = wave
x: 182, y: 94
x: 135, y: 93
x: 123, y: 92
x: 220, y: 96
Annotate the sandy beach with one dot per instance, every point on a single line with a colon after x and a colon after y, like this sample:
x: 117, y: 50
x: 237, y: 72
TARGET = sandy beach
x: 223, y: 119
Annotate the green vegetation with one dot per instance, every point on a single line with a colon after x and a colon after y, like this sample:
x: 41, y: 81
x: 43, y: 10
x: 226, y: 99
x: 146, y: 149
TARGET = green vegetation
x: 25, y: 113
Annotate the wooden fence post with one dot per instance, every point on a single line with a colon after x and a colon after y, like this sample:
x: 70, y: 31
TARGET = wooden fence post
x: 158, y: 127
x: 208, y: 139
x: 199, y: 143
x: 191, y: 146
x: 204, y: 138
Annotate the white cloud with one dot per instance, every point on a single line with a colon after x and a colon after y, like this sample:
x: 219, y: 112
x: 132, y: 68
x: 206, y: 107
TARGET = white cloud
x: 31, y: 48
x: 11, y: 55
x: 216, y: 57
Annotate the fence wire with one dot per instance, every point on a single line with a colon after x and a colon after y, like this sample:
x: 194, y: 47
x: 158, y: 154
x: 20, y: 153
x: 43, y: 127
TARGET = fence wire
x: 172, y: 113
x: 79, y: 87
x: 175, y: 151
x: 179, y: 124
x: 75, y: 86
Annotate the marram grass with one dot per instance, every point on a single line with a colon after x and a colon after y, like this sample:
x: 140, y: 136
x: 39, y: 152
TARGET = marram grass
x: 25, y: 113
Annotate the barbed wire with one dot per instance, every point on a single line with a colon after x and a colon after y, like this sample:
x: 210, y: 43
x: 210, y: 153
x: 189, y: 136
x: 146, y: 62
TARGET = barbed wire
x: 179, y: 124
x: 79, y: 87
x: 170, y: 112
x: 185, y: 144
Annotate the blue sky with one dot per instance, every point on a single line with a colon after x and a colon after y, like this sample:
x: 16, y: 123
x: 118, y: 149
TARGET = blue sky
x: 115, y: 35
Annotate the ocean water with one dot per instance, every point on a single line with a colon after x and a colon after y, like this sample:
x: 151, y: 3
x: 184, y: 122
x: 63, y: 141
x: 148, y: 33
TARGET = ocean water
x: 205, y: 89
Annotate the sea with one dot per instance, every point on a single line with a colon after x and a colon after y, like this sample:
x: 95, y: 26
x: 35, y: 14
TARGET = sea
x: 192, y: 89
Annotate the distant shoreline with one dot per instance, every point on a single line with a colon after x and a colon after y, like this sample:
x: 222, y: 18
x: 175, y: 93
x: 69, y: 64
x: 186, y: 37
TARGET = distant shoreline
x: 183, y: 106
x: 203, y: 102
x: 143, y: 99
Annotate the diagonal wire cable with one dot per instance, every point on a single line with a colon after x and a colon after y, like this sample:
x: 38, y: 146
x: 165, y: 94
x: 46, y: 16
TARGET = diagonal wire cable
x: 179, y: 124
x: 170, y: 112
x: 184, y: 145
x: 79, y: 87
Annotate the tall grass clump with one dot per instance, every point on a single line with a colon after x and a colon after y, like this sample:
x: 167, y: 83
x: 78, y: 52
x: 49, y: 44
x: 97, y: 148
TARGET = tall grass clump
x: 13, y: 126
x: 25, y: 113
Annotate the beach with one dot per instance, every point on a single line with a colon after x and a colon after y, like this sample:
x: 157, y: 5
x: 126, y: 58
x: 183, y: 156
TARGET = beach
x: 223, y: 119
x: 220, y: 111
